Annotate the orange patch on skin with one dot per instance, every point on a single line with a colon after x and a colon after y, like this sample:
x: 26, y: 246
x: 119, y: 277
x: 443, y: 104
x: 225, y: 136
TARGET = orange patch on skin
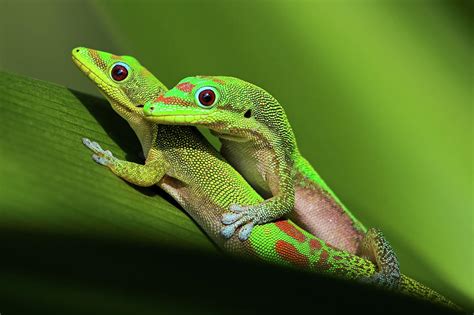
x: 97, y: 59
x: 212, y: 78
x: 115, y: 57
x: 185, y: 87
x: 173, y: 100
x: 289, y: 253
x: 314, y: 244
x: 290, y: 230
x: 323, y: 261
x: 218, y: 81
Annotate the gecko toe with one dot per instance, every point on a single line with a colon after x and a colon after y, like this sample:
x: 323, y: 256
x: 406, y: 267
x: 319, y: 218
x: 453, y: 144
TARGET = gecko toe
x: 237, y: 208
x: 245, y: 231
x: 96, y: 147
x: 100, y: 160
x: 88, y: 143
x: 228, y: 231
x: 107, y: 152
x: 229, y: 218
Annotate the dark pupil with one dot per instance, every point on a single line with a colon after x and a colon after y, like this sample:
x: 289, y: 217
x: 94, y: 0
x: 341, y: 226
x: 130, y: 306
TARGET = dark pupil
x: 119, y: 73
x: 207, y: 97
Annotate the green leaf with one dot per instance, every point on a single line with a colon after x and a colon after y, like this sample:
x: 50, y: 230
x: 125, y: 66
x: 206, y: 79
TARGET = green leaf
x: 78, y: 240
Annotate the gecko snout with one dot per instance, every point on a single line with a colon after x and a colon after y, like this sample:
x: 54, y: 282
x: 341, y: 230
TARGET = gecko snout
x: 148, y: 109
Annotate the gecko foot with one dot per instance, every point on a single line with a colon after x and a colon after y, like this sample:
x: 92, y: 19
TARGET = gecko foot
x: 101, y: 156
x: 377, y: 249
x: 245, y: 217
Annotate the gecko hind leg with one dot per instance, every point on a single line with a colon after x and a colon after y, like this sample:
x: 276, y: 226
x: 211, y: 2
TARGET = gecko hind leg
x: 377, y: 249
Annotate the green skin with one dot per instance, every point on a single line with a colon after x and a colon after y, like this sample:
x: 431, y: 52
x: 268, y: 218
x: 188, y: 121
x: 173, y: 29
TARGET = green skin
x: 185, y: 165
x: 258, y: 141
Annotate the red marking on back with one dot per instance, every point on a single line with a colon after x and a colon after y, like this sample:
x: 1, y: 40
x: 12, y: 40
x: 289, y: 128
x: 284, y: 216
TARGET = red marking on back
x: 289, y: 253
x: 324, y: 257
x: 185, y: 86
x: 323, y: 261
x: 173, y: 100
x: 290, y: 230
x: 314, y: 244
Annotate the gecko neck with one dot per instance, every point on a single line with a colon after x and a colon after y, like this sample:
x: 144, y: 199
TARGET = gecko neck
x: 144, y: 129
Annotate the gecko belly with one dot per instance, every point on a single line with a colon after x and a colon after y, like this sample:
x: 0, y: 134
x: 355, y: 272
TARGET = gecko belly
x: 318, y: 213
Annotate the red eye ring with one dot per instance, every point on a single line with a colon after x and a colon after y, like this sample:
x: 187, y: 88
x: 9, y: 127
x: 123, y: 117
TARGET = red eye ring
x: 206, y: 97
x: 119, y: 72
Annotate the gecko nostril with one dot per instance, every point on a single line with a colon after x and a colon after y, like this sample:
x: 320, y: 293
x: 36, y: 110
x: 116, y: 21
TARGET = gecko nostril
x: 152, y: 108
x: 77, y: 50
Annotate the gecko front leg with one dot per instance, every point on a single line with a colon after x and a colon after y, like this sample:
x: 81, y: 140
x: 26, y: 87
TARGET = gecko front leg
x: 144, y: 175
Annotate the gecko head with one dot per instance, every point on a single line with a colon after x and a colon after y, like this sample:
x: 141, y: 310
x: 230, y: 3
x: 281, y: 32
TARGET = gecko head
x: 226, y: 105
x: 121, y: 79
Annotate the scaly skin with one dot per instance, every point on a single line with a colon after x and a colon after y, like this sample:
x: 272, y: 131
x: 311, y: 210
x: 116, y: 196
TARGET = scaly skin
x: 199, y: 179
x: 258, y: 140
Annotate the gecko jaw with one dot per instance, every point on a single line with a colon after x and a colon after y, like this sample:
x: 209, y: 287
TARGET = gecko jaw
x: 177, y: 119
x: 88, y: 72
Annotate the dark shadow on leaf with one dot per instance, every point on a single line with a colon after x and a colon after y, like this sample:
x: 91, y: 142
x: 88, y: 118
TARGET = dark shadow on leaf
x: 116, y: 127
x: 121, y: 133
x: 65, y: 274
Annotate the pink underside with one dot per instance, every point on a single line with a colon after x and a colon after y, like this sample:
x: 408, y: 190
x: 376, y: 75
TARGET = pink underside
x: 317, y: 213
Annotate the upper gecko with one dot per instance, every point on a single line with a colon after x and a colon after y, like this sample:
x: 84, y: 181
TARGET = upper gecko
x: 258, y: 141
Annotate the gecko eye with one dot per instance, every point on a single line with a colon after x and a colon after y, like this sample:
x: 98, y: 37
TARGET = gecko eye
x: 206, y: 97
x: 119, y: 71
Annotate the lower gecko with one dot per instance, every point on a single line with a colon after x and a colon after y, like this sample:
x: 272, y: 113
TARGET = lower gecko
x: 185, y: 165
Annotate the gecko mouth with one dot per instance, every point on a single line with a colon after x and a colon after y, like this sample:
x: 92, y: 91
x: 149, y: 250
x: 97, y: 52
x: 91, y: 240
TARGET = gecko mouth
x: 89, y: 73
x: 176, y: 119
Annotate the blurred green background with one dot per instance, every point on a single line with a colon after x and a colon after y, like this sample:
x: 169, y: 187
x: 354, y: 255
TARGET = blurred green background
x: 379, y: 95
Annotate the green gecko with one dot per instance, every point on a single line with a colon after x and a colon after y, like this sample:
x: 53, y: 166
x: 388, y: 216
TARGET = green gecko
x: 185, y: 165
x: 258, y: 141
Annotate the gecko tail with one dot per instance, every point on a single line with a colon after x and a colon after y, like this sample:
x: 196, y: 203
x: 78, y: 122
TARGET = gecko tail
x: 416, y: 289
